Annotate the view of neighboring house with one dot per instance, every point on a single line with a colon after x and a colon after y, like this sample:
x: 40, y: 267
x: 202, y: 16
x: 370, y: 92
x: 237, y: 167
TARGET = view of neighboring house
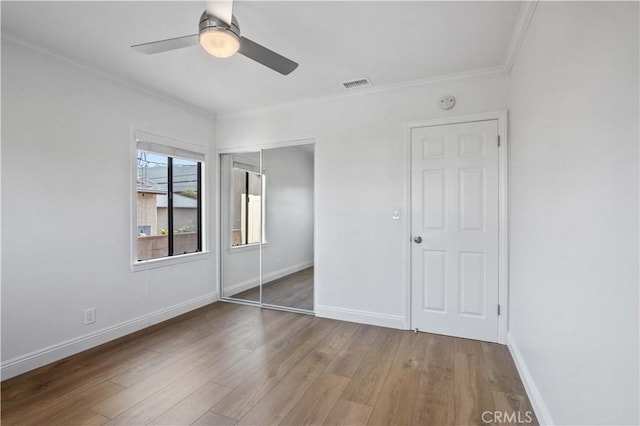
x: 152, y: 210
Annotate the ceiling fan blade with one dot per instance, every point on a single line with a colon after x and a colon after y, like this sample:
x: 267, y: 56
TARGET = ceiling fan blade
x: 169, y: 44
x: 221, y: 9
x: 266, y: 57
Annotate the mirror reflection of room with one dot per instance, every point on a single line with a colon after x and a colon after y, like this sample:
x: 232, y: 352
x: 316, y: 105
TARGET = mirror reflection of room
x: 241, y: 225
x: 287, y: 256
x: 269, y: 204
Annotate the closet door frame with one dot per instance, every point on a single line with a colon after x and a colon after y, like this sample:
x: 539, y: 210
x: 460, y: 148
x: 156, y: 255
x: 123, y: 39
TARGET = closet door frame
x: 220, y: 228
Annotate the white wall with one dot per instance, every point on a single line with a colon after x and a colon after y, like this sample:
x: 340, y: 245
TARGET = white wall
x: 573, y: 100
x: 66, y: 209
x: 361, y: 170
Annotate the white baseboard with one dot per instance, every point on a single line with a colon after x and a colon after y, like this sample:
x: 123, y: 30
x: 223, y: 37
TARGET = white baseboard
x: 539, y: 406
x: 267, y: 278
x: 44, y: 356
x: 254, y: 282
x: 362, y: 317
x: 236, y: 288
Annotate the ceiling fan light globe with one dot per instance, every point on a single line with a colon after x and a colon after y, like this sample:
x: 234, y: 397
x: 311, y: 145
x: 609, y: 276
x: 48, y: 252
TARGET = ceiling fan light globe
x: 219, y: 42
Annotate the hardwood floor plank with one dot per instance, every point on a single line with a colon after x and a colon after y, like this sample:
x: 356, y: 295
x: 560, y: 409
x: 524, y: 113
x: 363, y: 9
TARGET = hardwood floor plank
x: 193, y: 406
x: 348, y: 360
x: 471, y: 383
x: 216, y: 338
x: 35, y: 382
x: 59, y: 393
x: 272, y: 330
x: 317, y: 402
x: 367, y: 381
x: 348, y: 413
x: 275, y: 340
x: 517, y: 407
x: 338, y: 338
x: 122, y: 401
x: 246, y: 396
x: 279, y: 401
x: 501, y: 369
x: 277, y: 404
x: 161, y: 401
x: 396, y: 399
x: 65, y: 409
x: 86, y: 371
x: 276, y: 348
x: 86, y: 418
x: 435, y: 397
x: 213, y: 419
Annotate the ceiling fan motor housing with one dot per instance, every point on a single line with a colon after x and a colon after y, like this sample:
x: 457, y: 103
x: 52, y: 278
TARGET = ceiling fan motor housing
x: 211, y: 23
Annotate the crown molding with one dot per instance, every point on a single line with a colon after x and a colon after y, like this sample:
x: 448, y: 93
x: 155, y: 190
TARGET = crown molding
x: 519, y: 31
x: 466, y: 75
x: 12, y: 40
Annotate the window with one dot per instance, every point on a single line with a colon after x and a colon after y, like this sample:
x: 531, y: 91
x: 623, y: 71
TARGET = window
x: 168, y: 201
x: 246, y: 207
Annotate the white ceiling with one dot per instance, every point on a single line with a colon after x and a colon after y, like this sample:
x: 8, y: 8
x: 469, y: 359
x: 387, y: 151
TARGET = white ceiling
x: 390, y: 42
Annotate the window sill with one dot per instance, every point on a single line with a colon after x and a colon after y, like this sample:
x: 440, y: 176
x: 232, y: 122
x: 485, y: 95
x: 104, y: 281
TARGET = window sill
x: 245, y: 247
x: 168, y: 261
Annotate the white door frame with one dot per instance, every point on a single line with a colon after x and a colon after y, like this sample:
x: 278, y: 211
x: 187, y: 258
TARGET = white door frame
x: 503, y: 209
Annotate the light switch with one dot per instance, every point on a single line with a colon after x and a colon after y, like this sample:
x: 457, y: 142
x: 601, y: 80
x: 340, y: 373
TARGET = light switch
x: 396, y: 214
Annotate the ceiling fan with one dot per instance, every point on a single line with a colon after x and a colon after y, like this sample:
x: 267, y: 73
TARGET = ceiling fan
x: 219, y: 35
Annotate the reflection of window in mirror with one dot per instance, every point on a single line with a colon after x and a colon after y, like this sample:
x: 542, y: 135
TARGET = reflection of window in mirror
x: 246, y: 203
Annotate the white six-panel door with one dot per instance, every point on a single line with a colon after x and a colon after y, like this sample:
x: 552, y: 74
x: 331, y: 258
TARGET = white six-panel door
x: 454, y: 228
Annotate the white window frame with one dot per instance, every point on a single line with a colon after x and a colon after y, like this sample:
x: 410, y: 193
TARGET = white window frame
x: 173, y: 147
x: 263, y: 188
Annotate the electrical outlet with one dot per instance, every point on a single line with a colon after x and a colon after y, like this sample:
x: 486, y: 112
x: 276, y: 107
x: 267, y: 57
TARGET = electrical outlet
x: 89, y: 316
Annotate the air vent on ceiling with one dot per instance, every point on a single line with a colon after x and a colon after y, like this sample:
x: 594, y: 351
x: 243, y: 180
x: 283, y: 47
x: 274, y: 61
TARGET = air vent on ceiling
x: 354, y: 84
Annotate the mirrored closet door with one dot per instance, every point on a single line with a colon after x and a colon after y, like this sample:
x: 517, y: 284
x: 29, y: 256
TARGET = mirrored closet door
x: 267, y: 227
x: 241, y: 225
x: 287, y: 252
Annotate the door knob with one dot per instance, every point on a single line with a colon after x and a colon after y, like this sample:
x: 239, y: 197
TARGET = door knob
x: 418, y: 240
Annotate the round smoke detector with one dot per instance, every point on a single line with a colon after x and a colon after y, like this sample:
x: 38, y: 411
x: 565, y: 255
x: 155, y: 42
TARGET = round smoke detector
x: 447, y: 102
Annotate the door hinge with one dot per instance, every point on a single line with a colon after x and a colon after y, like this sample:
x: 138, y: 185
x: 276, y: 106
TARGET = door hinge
x: 498, y: 140
x: 498, y: 310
